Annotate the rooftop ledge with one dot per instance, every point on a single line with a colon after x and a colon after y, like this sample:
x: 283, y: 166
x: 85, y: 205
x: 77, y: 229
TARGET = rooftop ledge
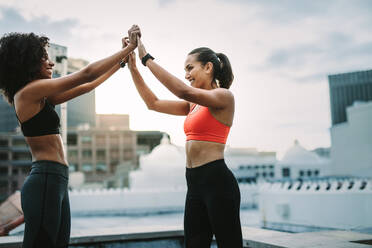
x: 172, y: 236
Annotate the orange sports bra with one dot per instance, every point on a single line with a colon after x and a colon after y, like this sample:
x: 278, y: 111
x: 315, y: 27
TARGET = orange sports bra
x: 201, y: 125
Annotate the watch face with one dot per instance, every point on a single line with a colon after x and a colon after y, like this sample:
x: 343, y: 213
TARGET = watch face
x: 122, y: 63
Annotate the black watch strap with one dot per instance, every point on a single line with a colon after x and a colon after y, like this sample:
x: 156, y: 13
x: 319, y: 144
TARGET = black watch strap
x: 122, y: 64
x: 146, y: 57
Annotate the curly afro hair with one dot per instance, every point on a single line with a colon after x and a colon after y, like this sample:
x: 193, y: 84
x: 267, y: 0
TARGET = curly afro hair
x: 20, y: 61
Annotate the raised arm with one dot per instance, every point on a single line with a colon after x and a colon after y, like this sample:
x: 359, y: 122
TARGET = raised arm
x: 151, y: 100
x: 216, y: 98
x: 83, y: 88
x: 39, y: 89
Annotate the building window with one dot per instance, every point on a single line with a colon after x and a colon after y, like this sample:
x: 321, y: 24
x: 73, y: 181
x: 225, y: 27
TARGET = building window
x: 19, y: 142
x: 316, y: 173
x: 3, y: 170
x: 128, y: 154
x: 286, y: 172
x: 73, y: 154
x: 86, y: 140
x: 114, y: 139
x: 21, y: 156
x: 4, y: 156
x: 113, y: 166
x: 101, y: 154
x: 72, y: 167
x: 3, y: 143
x: 101, y: 167
x: 87, y: 153
x: 3, y: 184
x: 271, y: 174
x: 71, y: 139
x: 87, y: 167
x: 309, y: 173
x: 100, y: 140
x: 114, y: 154
x: 301, y: 173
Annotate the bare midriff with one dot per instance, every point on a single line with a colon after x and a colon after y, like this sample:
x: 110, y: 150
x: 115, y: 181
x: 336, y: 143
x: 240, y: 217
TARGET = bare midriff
x: 199, y: 153
x: 47, y: 147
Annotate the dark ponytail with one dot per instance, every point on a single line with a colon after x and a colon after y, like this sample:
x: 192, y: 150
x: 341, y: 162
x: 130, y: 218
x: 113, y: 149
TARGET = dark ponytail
x: 225, y: 76
x: 222, y: 72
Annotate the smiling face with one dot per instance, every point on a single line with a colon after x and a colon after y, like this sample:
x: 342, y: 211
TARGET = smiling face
x: 46, y: 69
x: 197, y: 74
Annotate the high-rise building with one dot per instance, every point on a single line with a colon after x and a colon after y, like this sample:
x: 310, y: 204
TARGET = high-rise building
x: 80, y: 110
x: 347, y: 88
x: 8, y: 119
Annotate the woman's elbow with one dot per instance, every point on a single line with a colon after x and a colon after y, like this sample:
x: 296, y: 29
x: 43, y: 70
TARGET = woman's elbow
x: 184, y: 94
x: 151, y: 106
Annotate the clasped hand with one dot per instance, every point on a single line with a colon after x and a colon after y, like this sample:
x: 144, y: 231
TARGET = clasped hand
x: 134, y: 39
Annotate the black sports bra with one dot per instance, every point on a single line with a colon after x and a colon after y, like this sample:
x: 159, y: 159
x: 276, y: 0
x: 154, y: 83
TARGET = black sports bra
x: 43, y: 123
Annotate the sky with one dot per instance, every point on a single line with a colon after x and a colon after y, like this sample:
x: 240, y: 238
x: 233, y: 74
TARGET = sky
x: 281, y: 54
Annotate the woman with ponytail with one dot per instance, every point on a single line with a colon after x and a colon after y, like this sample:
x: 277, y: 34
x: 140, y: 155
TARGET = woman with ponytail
x: 213, y: 196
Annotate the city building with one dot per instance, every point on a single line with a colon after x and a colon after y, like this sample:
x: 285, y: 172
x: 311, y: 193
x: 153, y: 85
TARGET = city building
x: 98, y: 151
x: 250, y: 165
x: 147, y: 140
x: 298, y: 162
x: 341, y: 197
x: 324, y: 152
x: 347, y: 88
x: 15, y: 162
x: 351, y: 149
x: 104, y: 154
x: 80, y: 110
x: 8, y: 119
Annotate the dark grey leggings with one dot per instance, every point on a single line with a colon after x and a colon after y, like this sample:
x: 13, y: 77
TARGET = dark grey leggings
x: 46, y: 206
x: 212, y: 207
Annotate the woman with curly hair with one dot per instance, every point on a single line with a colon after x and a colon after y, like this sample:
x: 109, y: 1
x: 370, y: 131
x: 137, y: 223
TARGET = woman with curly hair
x: 26, y: 82
x: 213, y: 197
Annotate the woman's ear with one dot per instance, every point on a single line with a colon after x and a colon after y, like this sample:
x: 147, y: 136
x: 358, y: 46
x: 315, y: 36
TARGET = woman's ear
x: 208, y: 67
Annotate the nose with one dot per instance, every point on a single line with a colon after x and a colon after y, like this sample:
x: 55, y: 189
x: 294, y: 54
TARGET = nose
x: 51, y: 63
x: 187, y: 76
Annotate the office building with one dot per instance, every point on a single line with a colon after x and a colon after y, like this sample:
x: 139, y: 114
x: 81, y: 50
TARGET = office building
x: 347, y: 88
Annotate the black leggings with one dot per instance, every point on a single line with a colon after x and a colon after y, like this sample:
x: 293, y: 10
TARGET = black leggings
x: 212, y: 207
x: 46, y: 206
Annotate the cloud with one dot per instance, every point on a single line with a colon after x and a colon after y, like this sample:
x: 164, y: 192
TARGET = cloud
x: 284, y: 12
x: 311, y: 62
x: 12, y: 21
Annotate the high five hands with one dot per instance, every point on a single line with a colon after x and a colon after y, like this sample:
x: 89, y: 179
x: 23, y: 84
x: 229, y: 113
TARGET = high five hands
x: 134, y: 40
x: 133, y: 33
